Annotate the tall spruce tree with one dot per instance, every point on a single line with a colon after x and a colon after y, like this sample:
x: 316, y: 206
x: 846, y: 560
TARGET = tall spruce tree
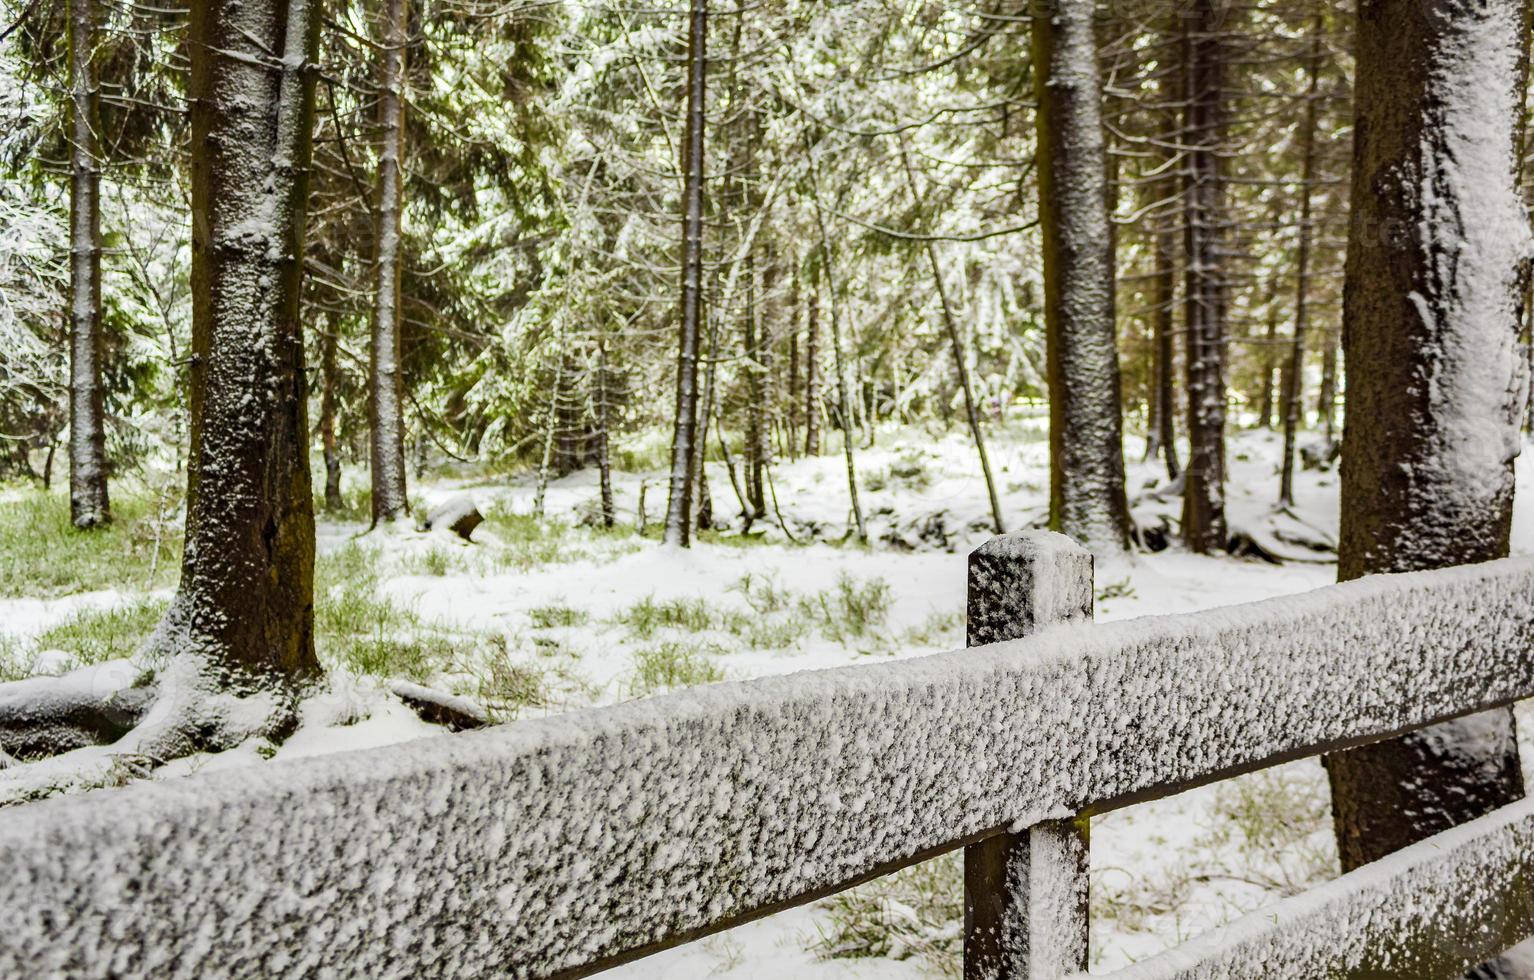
x: 89, y: 505
x: 1087, y: 498
x: 1435, y: 250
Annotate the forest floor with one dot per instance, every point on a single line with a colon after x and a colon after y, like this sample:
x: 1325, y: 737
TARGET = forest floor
x: 543, y: 616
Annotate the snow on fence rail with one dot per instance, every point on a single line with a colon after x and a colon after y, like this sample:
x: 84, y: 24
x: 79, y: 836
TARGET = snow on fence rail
x: 557, y: 847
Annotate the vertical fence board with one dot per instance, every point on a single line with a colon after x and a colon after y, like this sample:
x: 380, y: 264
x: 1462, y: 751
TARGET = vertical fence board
x: 1025, y: 894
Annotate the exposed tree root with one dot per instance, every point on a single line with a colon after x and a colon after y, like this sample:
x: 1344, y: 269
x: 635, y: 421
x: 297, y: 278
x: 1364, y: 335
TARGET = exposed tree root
x: 112, y: 723
x: 100, y: 726
x: 454, y: 713
x: 46, y: 716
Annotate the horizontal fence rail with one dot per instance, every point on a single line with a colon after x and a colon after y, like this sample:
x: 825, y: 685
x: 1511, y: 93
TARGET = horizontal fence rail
x: 1435, y: 909
x: 560, y: 846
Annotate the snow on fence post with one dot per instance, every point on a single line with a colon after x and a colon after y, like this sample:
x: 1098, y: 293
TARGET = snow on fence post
x: 1025, y: 894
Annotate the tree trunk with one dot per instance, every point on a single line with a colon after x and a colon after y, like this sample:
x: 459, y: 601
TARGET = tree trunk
x: 812, y: 367
x: 333, y: 499
x: 88, y: 503
x: 679, y: 506
x: 1328, y: 396
x: 756, y: 506
x: 1203, y: 514
x: 1087, y: 499
x: 1294, y: 378
x: 765, y: 389
x: 385, y: 385
x: 704, y: 512
x: 843, y: 399
x: 1432, y: 423
x: 1165, y: 330
x: 956, y: 346
x: 604, y: 459
x: 550, y: 430
x: 1270, y: 361
x: 791, y: 418
x: 246, y: 600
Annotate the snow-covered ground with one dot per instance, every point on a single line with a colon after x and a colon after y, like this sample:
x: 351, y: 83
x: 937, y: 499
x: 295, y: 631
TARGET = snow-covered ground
x: 586, y: 618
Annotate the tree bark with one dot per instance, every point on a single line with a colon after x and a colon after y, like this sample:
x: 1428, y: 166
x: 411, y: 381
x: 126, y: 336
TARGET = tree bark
x: 1203, y: 514
x: 385, y: 385
x: 1328, y: 395
x: 1434, y: 253
x: 246, y: 599
x: 550, y: 429
x: 1294, y: 378
x: 765, y: 389
x: 703, y: 517
x: 791, y: 417
x: 812, y: 367
x: 333, y: 499
x: 756, y: 501
x: 678, y: 528
x: 1269, y: 362
x: 1087, y: 500
x: 843, y: 398
x: 89, y: 505
x: 604, y: 458
x: 1165, y: 333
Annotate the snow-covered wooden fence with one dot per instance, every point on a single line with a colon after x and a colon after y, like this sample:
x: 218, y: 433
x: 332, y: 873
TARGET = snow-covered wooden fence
x: 557, y: 847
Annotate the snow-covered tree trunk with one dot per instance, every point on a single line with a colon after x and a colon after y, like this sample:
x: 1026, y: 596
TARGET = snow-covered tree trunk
x: 1327, y: 399
x: 1437, y: 241
x: 1087, y: 500
x: 703, y: 511
x: 761, y: 454
x: 812, y: 366
x: 791, y: 416
x: 604, y: 456
x: 386, y: 416
x: 245, y: 607
x: 328, y: 444
x: 1203, y: 129
x: 1164, y: 423
x: 550, y: 430
x: 88, y: 502
x: 755, y: 397
x: 843, y: 398
x: 678, y: 528
x: 1295, y: 375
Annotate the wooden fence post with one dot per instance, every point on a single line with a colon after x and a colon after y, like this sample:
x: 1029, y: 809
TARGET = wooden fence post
x: 1025, y: 894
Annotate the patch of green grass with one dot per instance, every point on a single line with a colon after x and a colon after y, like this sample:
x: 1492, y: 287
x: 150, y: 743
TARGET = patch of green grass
x: 1276, y: 814
x: 12, y: 667
x: 1121, y: 589
x: 356, y: 502
x: 356, y: 627
x: 647, y: 616
x: 416, y: 656
x: 93, y: 636
x: 435, y: 561
x: 671, y: 665
x: 774, y: 633
x: 42, y: 554
x: 524, y: 541
x: 510, y: 687
x: 555, y: 616
x: 734, y: 539
x: 763, y: 593
x: 938, y: 629
x: 1270, y: 829
x: 912, y: 913
x: 850, y: 610
x: 641, y: 455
